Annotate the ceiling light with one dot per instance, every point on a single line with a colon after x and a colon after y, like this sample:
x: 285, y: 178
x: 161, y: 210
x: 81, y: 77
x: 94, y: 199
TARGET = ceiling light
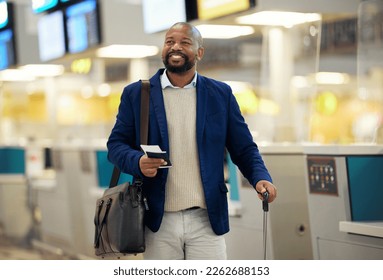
x: 275, y: 18
x: 224, y: 31
x: 127, y: 51
x: 43, y: 70
x: 16, y: 75
x: 332, y: 78
x: 30, y: 72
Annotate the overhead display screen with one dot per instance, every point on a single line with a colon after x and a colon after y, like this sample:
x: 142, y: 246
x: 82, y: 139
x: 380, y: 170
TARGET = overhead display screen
x: 51, y: 36
x: 68, y: 2
x: 209, y: 9
x: 83, y: 26
x: 4, y: 18
x: 7, y: 49
x: 159, y: 15
x: 39, y: 6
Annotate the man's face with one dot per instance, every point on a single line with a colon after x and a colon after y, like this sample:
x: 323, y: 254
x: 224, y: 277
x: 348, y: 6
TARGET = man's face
x: 180, y: 52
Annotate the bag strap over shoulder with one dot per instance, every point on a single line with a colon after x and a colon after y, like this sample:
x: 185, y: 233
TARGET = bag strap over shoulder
x: 144, y: 126
x: 144, y: 117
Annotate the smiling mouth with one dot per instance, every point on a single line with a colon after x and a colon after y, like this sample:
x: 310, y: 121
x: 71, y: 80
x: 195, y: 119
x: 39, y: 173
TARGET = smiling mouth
x: 176, y: 56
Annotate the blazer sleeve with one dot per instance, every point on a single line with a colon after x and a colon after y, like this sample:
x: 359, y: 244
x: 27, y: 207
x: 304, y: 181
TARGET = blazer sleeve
x: 241, y: 146
x: 123, y: 142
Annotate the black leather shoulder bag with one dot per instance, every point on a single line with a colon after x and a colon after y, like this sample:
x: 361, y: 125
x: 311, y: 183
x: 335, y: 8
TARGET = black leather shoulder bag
x: 119, y: 217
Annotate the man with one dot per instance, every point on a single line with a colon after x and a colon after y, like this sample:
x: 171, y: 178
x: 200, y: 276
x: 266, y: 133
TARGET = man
x: 194, y: 119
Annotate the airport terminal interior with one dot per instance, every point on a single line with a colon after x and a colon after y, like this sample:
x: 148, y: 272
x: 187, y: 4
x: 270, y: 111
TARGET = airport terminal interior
x: 308, y: 77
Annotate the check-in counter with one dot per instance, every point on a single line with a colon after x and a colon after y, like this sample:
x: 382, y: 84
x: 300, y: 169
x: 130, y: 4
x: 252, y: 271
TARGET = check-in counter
x: 329, y: 204
x: 15, y: 215
x: 64, y: 204
x: 345, y: 194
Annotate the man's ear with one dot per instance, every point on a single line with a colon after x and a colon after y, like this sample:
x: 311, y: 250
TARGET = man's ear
x: 200, y: 53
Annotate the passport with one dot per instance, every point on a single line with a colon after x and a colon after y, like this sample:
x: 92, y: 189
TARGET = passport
x: 154, y: 151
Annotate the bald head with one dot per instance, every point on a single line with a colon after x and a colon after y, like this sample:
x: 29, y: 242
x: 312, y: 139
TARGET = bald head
x: 193, y: 31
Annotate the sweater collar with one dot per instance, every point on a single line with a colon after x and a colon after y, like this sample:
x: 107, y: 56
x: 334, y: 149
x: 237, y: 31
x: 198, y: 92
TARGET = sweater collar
x: 165, y: 82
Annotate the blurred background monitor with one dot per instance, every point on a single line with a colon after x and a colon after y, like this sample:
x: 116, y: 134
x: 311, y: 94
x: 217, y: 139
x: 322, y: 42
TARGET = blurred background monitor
x: 82, y: 21
x: 7, y: 49
x: 40, y: 6
x: 159, y: 15
x: 7, y: 36
x: 209, y: 9
x: 51, y: 36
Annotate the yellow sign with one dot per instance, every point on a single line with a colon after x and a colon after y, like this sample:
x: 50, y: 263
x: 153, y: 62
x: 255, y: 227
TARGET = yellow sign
x: 81, y: 66
x: 208, y: 9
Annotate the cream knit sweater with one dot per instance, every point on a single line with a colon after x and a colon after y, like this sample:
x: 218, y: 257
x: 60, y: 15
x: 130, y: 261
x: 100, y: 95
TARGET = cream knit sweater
x: 184, y: 186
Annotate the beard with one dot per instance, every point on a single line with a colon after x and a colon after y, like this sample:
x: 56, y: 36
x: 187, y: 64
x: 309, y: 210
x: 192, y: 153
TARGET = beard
x: 187, y: 65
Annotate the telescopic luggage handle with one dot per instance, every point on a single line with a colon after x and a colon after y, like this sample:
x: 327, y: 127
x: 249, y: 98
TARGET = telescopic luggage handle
x: 265, y: 202
x: 265, y: 207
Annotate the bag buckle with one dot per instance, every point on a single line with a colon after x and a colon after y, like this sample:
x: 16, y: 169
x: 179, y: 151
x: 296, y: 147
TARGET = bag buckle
x: 138, y: 183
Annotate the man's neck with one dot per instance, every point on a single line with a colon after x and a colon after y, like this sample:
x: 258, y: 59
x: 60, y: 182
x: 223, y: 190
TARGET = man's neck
x: 181, y: 79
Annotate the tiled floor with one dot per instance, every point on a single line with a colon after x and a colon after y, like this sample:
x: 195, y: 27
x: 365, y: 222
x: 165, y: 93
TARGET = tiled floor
x: 22, y: 250
x: 11, y: 250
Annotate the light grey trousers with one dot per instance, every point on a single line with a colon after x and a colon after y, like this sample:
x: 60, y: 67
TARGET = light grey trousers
x: 185, y: 235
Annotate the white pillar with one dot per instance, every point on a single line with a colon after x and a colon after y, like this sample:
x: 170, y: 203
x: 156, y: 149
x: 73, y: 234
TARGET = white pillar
x: 279, y: 72
x: 139, y: 69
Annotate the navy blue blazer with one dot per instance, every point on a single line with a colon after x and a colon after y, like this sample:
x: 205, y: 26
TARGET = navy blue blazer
x: 219, y: 125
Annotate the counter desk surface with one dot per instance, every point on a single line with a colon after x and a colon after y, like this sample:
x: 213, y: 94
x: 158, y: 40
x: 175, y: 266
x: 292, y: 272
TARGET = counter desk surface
x: 316, y: 149
x: 12, y: 179
x: 363, y: 228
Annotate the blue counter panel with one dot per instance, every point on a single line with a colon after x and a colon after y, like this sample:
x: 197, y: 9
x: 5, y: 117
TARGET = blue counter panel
x: 12, y: 160
x: 105, y: 169
x: 233, y: 179
x: 365, y: 177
